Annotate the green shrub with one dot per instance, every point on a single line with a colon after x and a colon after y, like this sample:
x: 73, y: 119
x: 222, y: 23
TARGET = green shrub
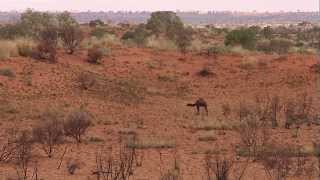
x: 161, y: 43
x: 244, y: 37
x: 99, y: 32
x: 69, y: 32
x: 7, y: 72
x: 280, y: 45
x: 138, y: 36
x: 165, y: 22
x: 25, y: 47
x: 96, y: 53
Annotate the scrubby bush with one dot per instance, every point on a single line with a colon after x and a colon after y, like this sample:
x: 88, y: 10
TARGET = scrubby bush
x: 161, y: 43
x: 69, y: 32
x: 7, y: 72
x: 138, y: 36
x: 7, y: 49
x: 77, y: 124
x: 25, y: 47
x: 12, y: 31
x: 165, y: 22
x: 244, y: 37
x: 96, y: 22
x: 98, y: 32
x: 96, y: 53
x: 47, y: 47
x: 34, y: 22
x: 49, y: 133
x: 216, y: 50
x: 280, y: 45
x: 183, y: 39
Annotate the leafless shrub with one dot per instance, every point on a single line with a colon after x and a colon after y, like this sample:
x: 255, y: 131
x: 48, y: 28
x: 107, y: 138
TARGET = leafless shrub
x: 86, y: 81
x: 282, y: 162
x: 72, y: 166
x: 173, y: 174
x: 298, y: 112
x: 49, y: 133
x: 253, y: 135
x: 120, y: 168
x: 23, y: 155
x: 71, y: 36
x: 8, y: 146
x: 77, y: 124
x: 218, y: 167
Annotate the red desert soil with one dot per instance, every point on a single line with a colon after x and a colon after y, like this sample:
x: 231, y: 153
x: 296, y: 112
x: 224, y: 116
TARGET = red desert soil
x: 165, y: 82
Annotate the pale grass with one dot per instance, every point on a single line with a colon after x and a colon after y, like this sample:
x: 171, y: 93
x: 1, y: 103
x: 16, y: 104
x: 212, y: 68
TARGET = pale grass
x: 160, y: 43
x: 8, y: 49
x: 152, y: 143
x: 209, y: 125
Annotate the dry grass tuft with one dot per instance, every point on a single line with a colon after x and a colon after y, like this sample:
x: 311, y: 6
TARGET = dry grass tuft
x: 152, y: 143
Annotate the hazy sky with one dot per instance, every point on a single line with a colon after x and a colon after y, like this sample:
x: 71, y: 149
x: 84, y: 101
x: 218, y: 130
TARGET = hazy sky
x: 151, y: 5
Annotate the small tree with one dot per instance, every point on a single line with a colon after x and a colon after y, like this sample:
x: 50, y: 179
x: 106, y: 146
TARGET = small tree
x: 23, y: 154
x: 77, y: 124
x: 218, y: 167
x: 244, y: 37
x: 70, y: 32
x: 96, y: 22
x: 49, y: 133
x: 183, y: 39
x: 139, y: 35
x: 165, y: 22
x: 47, y: 48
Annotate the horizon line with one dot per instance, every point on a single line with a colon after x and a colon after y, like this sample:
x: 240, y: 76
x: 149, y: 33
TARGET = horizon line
x: 150, y: 11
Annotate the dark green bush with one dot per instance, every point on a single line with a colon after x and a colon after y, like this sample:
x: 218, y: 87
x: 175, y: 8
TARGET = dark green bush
x: 244, y: 37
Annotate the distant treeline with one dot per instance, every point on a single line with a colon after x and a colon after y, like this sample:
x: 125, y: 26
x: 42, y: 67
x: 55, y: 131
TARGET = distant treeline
x: 195, y: 18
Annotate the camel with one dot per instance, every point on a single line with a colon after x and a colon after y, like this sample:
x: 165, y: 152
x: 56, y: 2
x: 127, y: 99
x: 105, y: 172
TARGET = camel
x: 200, y: 103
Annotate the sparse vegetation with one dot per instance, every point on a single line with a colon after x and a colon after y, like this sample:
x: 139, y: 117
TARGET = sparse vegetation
x: 77, y: 124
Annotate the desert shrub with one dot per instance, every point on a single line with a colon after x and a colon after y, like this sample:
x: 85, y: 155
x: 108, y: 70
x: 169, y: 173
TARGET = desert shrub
x: 264, y: 45
x: 218, y: 168
x: 77, y: 124
x: 204, y: 72
x: 7, y: 72
x: 139, y: 35
x: 183, y: 39
x: 86, y: 81
x: 95, y: 54
x: 35, y: 22
x: 216, y: 50
x: 69, y: 32
x: 244, y: 37
x: 49, y: 133
x: 23, y: 154
x: 25, y: 47
x: 7, y: 49
x: 280, y: 45
x: 164, y: 22
x: 96, y: 22
x: 267, y: 32
x: 47, y: 47
x: 98, y: 32
x: 161, y: 43
x: 12, y: 31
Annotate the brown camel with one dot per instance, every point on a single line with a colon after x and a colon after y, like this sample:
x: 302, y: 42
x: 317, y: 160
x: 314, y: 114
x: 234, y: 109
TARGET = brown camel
x: 200, y: 103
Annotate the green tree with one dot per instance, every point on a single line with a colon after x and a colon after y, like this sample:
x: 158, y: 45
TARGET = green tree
x: 139, y: 35
x: 165, y: 22
x: 35, y: 22
x: 69, y: 32
x: 244, y: 37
